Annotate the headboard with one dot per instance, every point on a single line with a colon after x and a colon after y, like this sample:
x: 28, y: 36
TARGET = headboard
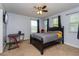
x: 57, y: 29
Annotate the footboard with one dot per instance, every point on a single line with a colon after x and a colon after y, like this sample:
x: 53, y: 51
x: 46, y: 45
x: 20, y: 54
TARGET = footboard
x: 37, y: 43
x: 40, y: 45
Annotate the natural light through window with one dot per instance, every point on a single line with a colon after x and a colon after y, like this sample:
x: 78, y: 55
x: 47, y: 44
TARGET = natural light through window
x: 33, y: 26
x: 45, y: 25
x: 55, y: 22
x: 74, y: 21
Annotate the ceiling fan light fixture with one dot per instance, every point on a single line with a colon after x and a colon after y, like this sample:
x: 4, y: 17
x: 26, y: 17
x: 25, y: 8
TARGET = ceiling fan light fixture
x: 40, y: 9
x: 39, y: 12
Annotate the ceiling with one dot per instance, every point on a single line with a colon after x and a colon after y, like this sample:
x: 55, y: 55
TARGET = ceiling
x: 28, y: 10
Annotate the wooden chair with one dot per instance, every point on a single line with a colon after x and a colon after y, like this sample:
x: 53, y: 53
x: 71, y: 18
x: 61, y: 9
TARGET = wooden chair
x: 13, y: 37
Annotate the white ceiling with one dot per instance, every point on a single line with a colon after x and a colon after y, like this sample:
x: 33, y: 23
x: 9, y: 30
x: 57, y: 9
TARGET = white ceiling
x: 28, y: 10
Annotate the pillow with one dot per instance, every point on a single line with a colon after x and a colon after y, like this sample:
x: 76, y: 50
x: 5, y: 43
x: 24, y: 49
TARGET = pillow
x: 59, y: 34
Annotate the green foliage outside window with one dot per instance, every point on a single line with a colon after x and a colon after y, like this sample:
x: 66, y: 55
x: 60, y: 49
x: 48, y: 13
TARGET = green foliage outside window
x: 33, y: 26
x: 74, y: 21
x: 55, y: 22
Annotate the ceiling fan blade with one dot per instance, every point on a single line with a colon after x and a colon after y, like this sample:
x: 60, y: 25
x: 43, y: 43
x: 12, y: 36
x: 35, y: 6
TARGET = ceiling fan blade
x: 44, y: 7
x: 45, y: 10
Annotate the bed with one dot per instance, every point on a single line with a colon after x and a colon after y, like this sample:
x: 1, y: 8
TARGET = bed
x: 44, y: 40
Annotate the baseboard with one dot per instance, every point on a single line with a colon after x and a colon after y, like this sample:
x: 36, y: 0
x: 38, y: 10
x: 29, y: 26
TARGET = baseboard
x: 71, y: 45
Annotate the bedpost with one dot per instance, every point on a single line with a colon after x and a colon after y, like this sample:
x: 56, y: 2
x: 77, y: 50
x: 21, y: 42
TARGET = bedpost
x: 63, y: 35
x: 42, y: 46
x: 42, y: 51
x: 30, y: 38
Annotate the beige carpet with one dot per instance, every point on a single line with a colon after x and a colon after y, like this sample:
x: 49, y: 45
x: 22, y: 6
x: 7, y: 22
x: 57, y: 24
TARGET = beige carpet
x: 26, y: 49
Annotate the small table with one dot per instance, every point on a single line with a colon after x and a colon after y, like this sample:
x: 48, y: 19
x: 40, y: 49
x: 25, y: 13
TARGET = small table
x: 22, y: 34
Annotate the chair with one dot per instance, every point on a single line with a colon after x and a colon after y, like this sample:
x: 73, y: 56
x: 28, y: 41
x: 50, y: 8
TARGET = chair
x: 13, y: 37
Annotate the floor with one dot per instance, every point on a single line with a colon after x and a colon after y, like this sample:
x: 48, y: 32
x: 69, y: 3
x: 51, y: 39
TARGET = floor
x: 26, y: 49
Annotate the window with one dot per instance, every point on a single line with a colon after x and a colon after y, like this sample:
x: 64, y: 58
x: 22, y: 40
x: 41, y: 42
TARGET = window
x: 33, y: 26
x: 45, y: 25
x: 74, y: 21
x: 55, y: 22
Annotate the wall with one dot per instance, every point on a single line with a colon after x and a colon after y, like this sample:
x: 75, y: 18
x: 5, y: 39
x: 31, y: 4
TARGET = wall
x: 70, y: 38
x: 20, y: 23
x: 41, y: 24
x: 1, y: 30
x: 4, y: 34
x: 1, y: 7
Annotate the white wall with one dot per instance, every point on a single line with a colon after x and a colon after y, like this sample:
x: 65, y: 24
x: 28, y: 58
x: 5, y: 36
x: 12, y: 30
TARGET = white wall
x: 70, y: 38
x: 41, y: 24
x: 1, y: 7
x: 1, y: 30
x: 20, y: 23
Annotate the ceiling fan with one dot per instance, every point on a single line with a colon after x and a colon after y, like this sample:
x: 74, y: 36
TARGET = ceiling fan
x: 40, y: 9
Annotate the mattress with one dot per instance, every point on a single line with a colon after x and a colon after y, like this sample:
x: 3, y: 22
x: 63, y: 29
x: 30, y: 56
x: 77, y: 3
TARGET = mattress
x: 47, y: 37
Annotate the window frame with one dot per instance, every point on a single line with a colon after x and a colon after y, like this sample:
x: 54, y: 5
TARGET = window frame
x: 32, y: 26
x: 71, y: 24
x: 53, y: 23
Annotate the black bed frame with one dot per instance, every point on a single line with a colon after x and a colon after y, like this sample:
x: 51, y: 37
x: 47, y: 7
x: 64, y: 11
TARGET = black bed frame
x: 39, y: 43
